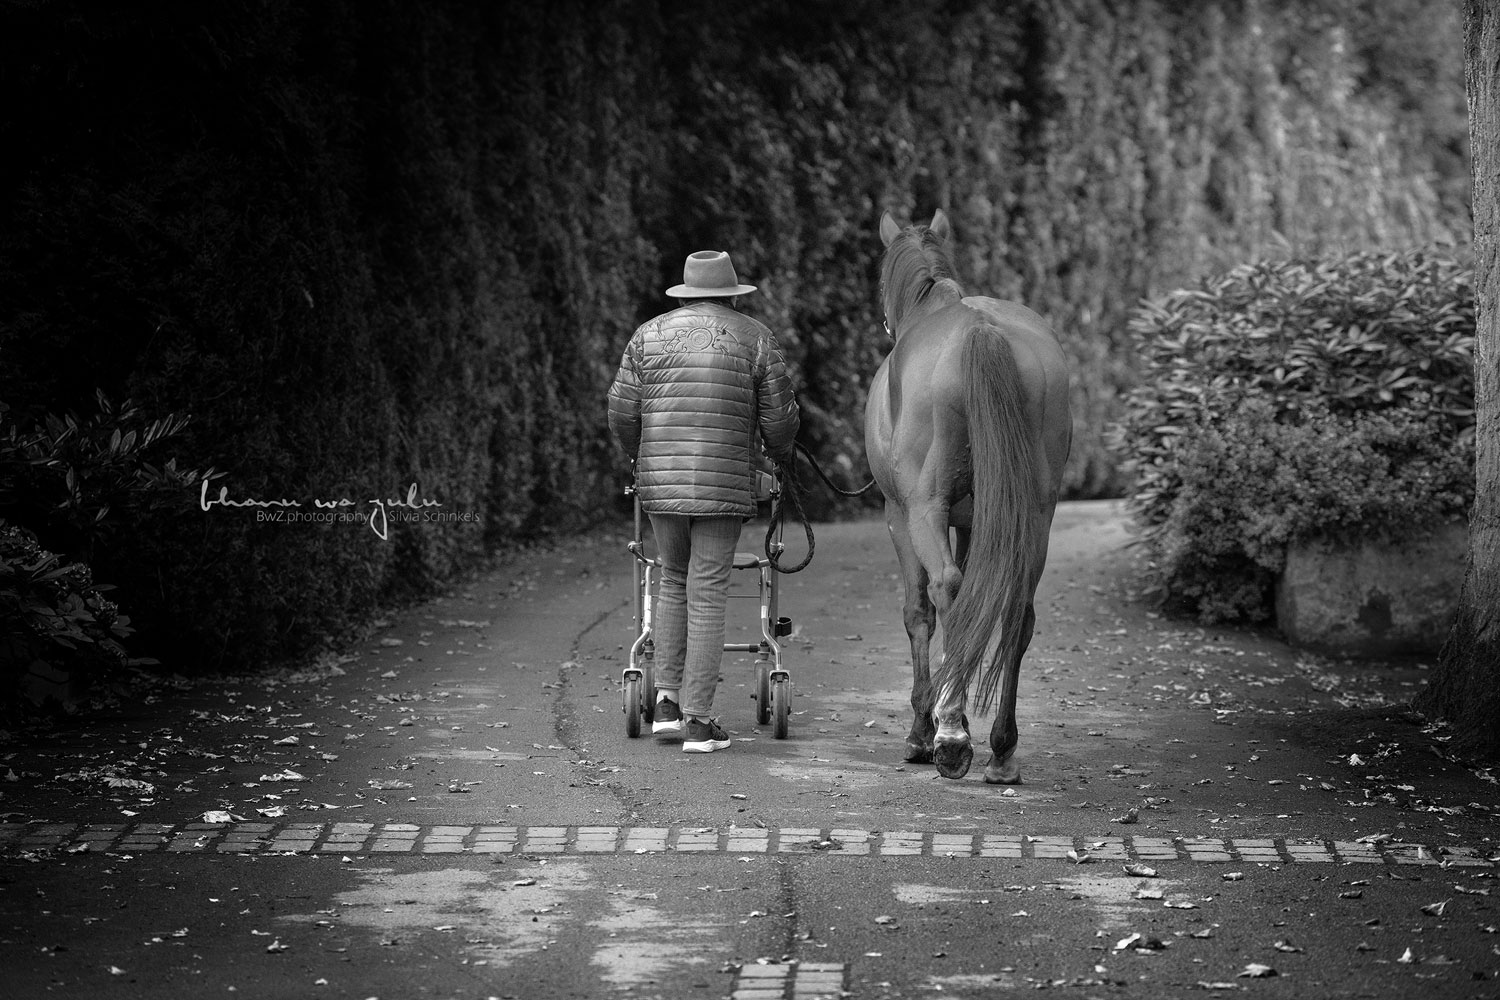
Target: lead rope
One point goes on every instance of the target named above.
(790, 496)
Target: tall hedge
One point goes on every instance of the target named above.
(370, 245)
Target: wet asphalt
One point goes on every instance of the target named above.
(452, 808)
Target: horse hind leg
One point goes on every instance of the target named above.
(919, 617)
(1003, 768)
(952, 749)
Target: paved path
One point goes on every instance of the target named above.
(452, 808)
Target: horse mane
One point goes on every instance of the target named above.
(914, 263)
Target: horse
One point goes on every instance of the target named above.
(967, 427)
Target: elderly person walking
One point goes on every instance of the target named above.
(700, 389)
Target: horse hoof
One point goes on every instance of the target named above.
(953, 759)
(1005, 773)
(918, 753)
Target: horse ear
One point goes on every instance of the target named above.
(940, 227)
(888, 229)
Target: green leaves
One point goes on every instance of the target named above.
(1290, 399)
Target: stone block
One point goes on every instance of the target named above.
(1373, 599)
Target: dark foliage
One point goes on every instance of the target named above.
(376, 245)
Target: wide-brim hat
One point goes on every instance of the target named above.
(708, 273)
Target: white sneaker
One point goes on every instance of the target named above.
(704, 737)
(668, 717)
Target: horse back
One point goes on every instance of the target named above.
(920, 392)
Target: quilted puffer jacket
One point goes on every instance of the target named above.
(697, 391)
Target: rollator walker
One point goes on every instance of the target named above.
(773, 684)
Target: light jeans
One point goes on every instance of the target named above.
(697, 560)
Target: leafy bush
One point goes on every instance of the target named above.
(1288, 400)
(79, 480)
(74, 482)
(55, 623)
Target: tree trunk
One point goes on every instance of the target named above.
(1465, 687)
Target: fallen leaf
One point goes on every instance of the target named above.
(1407, 958)
(1435, 909)
(1288, 947)
(1233, 876)
(1141, 871)
(1180, 905)
(1257, 971)
(1149, 894)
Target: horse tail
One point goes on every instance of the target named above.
(983, 625)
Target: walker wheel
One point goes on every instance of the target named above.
(781, 705)
(632, 706)
(648, 687)
(762, 692)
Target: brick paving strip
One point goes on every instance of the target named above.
(770, 981)
(375, 839)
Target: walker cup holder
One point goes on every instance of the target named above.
(783, 626)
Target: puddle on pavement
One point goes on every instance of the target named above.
(1111, 898)
(500, 921)
(458, 753)
(952, 986)
(919, 894)
(846, 774)
(645, 944)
